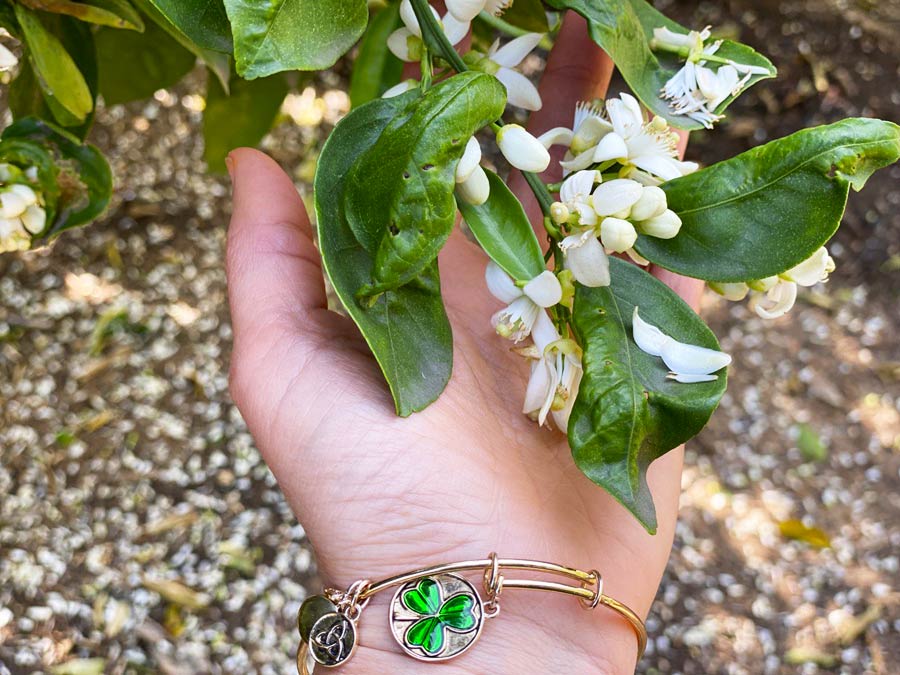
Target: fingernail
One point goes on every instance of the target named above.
(229, 164)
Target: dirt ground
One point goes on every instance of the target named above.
(141, 532)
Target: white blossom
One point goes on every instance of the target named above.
(406, 43)
(686, 362)
(8, 60)
(521, 149)
(811, 271)
(775, 302)
(664, 226)
(524, 304)
(555, 375)
(616, 197)
(476, 189)
(617, 235)
(575, 195)
(501, 63)
(586, 259)
(465, 10)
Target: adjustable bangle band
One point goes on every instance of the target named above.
(435, 613)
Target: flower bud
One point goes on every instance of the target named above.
(559, 213)
(8, 60)
(26, 193)
(617, 234)
(586, 259)
(811, 271)
(664, 226)
(734, 291)
(34, 219)
(13, 236)
(469, 161)
(651, 204)
(476, 188)
(522, 150)
(12, 204)
(615, 196)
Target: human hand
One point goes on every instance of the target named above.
(469, 475)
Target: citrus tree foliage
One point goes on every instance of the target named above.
(617, 360)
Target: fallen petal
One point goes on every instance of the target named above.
(688, 359)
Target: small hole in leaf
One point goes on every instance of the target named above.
(406, 175)
(454, 141)
(833, 171)
(608, 362)
(646, 395)
(427, 167)
(394, 229)
(421, 231)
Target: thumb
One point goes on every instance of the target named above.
(275, 286)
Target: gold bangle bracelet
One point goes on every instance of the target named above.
(435, 613)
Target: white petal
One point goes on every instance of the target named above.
(401, 88)
(814, 269)
(734, 291)
(664, 226)
(587, 261)
(8, 60)
(465, 10)
(519, 89)
(692, 360)
(12, 205)
(582, 161)
(514, 52)
(541, 390)
(556, 136)
(521, 149)
(578, 186)
(586, 214)
(691, 379)
(500, 284)
(589, 132)
(666, 168)
(749, 70)
(663, 38)
(652, 203)
(476, 188)
(25, 192)
(398, 43)
(648, 337)
(544, 333)
(544, 290)
(496, 7)
(616, 195)
(617, 235)
(570, 381)
(637, 258)
(34, 219)
(454, 29)
(777, 301)
(470, 160)
(408, 16)
(611, 146)
(625, 115)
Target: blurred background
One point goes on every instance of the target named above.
(140, 532)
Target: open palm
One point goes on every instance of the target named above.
(469, 475)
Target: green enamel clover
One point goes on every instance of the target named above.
(455, 613)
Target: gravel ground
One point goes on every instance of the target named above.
(141, 532)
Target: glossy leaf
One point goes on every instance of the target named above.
(203, 22)
(115, 13)
(770, 208)
(628, 413)
(57, 73)
(275, 35)
(624, 28)
(83, 178)
(240, 118)
(219, 62)
(376, 69)
(406, 328)
(399, 200)
(159, 58)
(529, 15)
(504, 231)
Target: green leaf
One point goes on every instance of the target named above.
(628, 413)
(376, 69)
(399, 200)
(159, 58)
(57, 73)
(811, 446)
(275, 35)
(529, 15)
(218, 62)
(241, 118)
(504, 231)
(624, 28)
(84, 178)
(770, 208)
(407, 328)
(114, 13)
(203, 22)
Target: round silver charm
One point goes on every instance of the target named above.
(332, 639)
(436, 618)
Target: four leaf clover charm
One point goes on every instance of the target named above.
(436, 618)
